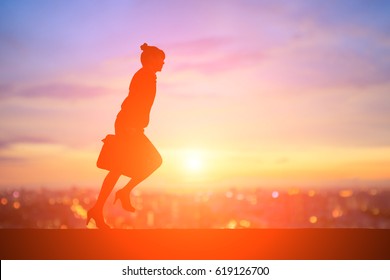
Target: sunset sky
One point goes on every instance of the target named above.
(253, 93)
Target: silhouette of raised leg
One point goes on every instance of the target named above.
(124, 196)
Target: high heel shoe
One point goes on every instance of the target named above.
(98, 217)
(124, 197)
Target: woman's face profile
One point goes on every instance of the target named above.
(157, 63)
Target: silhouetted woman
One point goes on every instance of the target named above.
(133, 117)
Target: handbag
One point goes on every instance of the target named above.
(131, 156)
(109, 157)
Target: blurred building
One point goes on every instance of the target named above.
(232, 208)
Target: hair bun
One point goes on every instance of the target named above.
(144, 46)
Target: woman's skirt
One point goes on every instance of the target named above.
(130, 154)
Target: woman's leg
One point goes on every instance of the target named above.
(131, 185)
(96, 212)
(124, 194)
(107, 187)
(149, 165)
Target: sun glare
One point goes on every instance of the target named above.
(193, 162)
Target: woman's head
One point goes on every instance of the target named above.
(152, 57)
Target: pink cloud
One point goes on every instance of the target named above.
(5, 143)
(213, 55)
(222, 63)
(201, 45)
(57, 91)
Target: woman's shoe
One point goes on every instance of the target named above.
(98, 217)
(124, 197)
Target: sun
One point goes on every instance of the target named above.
(193, 162)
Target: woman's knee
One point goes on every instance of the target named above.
(149, 168)
(159, 160)
(155, 163)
